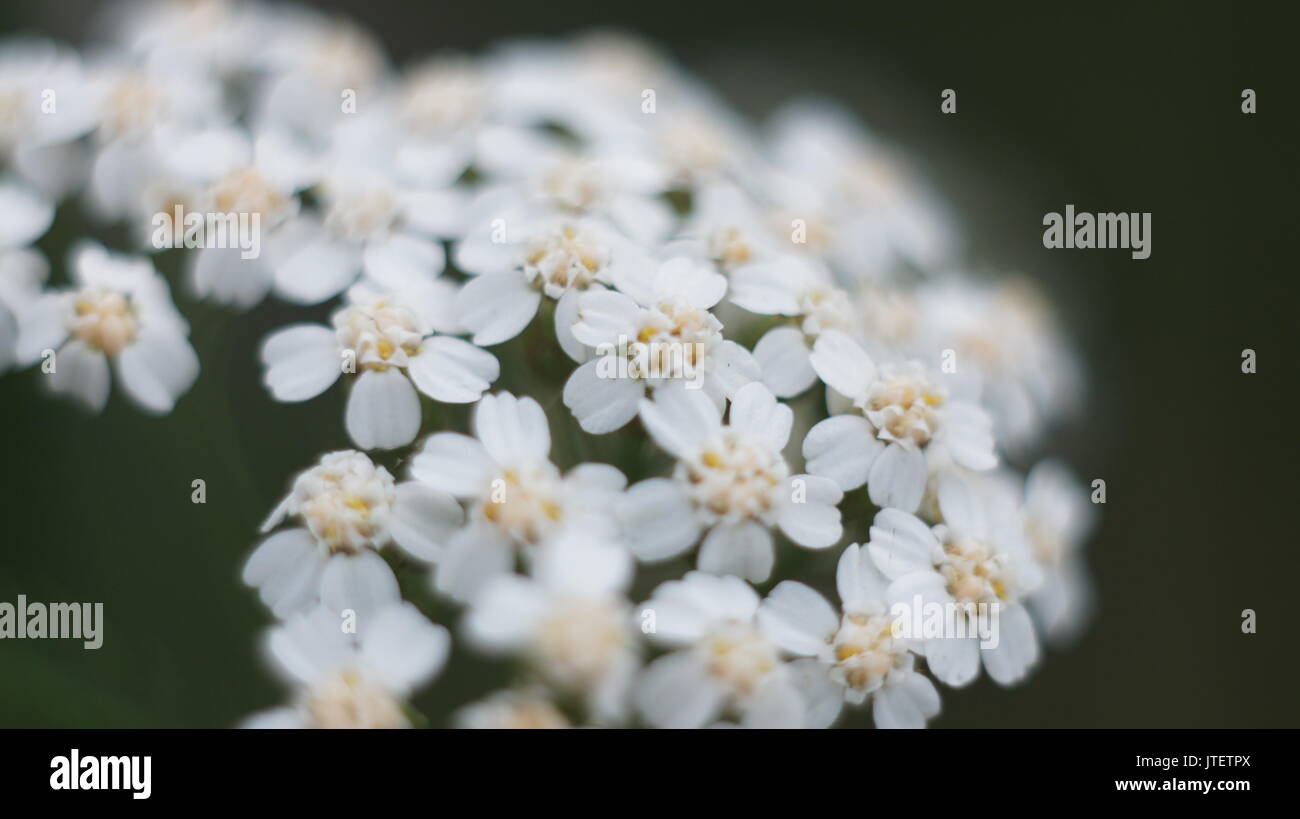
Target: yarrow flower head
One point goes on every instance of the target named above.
(904, 426)
(731, 481)
(119, 311)
(658, 316)
(517, 499)
(723, 663)
(349, 509)
(385, 340)
(570, 620)
(353, 678)
(859, 651)
(971, 559)
(662, 287)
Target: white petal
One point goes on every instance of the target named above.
(777, 705)
(967, 432)
(954, 660)
(310, 645)
(657, 519)
(860, 584)
(402, 259)
(301, 361)
(696, 282)
(454, 463)
(82, 372)
(403, 647)
(675, 691)
(686, 609)
(798, 619)
(605, 317)
(566, 315)
(42, 325)
(897, 478)
(601, 404)
(783, 355)
(679, 419)
(843, 449)
(843, 364)
(823, 698)
(814, 521)
(1017, 648)
(962, 508)
(496, 307)
(383, 410)
(505, 614)
(285, 569)
(453, 370)
(473, 557)
(901, 543)
(26, 215)
(756, 413)
(317, 269)
(157, 368)
(363, 583)
(906, 704)
(225, 276)
(732, 367)
(743, 549)
(579, 565)
(423, 519)
(512, 430)
(765, 288)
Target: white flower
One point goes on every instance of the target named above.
(440, 107)
(726, 228)
(350, 508)
(731, 480)
(147, 114)
(541, 256)
(46, 105)
(659, 315)
(570, 620)
(22, 276)
(971, 558)
(1058, 518)
(1010, 352)
(360, 680)
(874, 213)
(370, 224)
(723, 662)
(511, 710)
(387, 339)
(620, 187)
(859, 652)
(790, 286)
(304, 59)
(906, 420)
(25, 214)
(211, 36)
(120, 310)
(233, 176)
(517, 499)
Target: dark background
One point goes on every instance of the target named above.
(1132, 106)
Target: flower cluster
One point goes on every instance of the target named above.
(577, 240)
